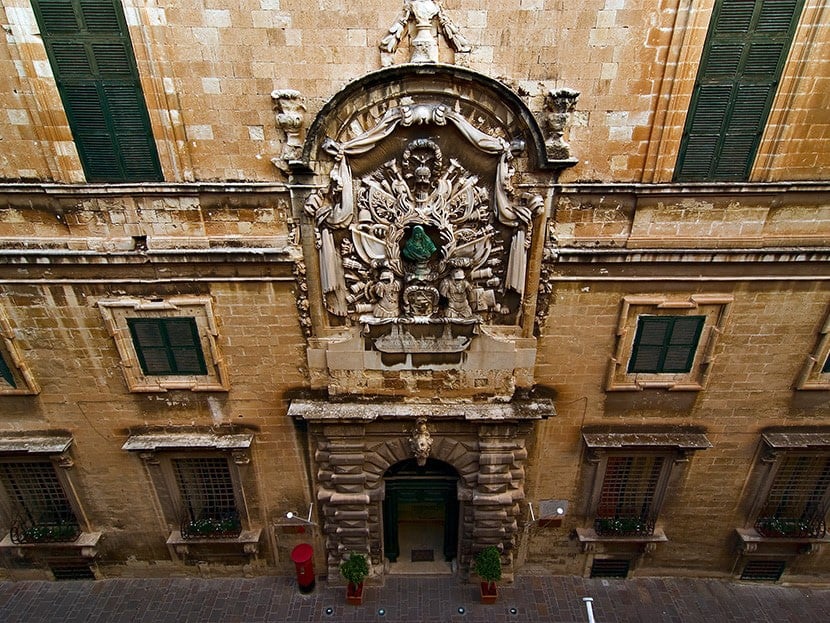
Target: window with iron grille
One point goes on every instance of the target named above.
(610, 567)
(665, 344)
(92, 59)
(763, 570)
(796, 505)
(740, 68)
(40, 509)
(167, 346)
(208, 501)
(627, 498)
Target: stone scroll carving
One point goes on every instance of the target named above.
(420, 239)
(421, 236)
(423, 18)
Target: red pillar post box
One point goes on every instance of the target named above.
(303, 557)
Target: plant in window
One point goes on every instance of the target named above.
(226, 525)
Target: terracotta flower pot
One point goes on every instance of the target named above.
(489, 592)
(354, 594)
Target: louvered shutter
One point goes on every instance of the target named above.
(665, 344)
(93, 63)
(167, 346)
(743, 57)
(6, 372)
(682, 343)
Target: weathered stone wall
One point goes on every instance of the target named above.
(208, 72)
(772, 327)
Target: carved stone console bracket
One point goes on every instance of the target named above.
(559, 105)
(290, 116)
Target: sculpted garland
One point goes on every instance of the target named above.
(420, 239)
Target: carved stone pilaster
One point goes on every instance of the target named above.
(343, 498)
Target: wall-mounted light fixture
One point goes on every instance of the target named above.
(291, 515)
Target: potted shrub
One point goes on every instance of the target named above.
(354, 570)
(488, 568)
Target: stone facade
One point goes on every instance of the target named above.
(560, 126)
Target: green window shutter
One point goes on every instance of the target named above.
(167, 346)
(94, 66)
(665, 344)
(6, 372)
(743, 57)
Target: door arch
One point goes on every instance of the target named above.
(416, 494)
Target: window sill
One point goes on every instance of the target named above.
(750, 541)
(589, 539)
(248, 540)
(86, 545)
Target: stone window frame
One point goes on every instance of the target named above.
(776, 446)
(200, 308)
(158, 450)
(714, 307)
(813, 375)
(24, 380)
(54, 448)
(676, 448)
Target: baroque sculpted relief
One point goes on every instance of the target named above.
(428, 232)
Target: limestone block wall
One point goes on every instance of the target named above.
(772, 327)
(208, 72)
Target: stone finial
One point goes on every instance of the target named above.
(559, 104)
(422, 18)
(290, 117)
(421, 442)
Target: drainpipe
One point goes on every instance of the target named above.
(589, 606)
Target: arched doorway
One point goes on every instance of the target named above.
(420, 512)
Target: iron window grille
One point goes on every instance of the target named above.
(42, 513)
(763, 570)
(627, 498)
(797, 501)
(209, 507)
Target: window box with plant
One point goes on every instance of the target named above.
(46, 531)
(354, 570)
(488, 568)
(224, 526)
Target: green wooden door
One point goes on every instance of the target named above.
(429, 493)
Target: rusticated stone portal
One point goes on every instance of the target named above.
(353, 450)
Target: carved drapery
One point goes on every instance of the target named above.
(418, 228)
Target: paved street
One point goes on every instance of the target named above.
(418, 599)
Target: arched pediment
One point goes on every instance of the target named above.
(489, 105)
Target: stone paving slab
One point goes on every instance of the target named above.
(404, 599)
